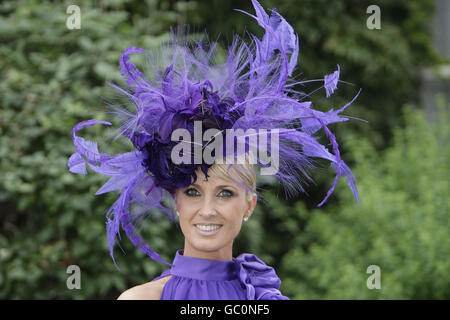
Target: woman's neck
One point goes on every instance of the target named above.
(225, 253)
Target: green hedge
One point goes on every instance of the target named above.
(54, 78)
(401, 225)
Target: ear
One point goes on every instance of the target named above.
(251, 205)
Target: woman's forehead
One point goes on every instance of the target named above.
(213, 181)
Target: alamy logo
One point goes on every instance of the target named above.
(238, 142)
(74, 280)
(374, 20)
(374, 281)
(74, 20)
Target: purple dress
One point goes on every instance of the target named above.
(243, 278)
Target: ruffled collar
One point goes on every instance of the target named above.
(260, 280)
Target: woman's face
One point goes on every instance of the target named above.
(211, 215)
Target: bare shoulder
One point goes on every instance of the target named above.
(148, 291)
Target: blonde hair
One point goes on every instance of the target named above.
(243, 174)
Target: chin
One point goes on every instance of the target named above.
(206, 245)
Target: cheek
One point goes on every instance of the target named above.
(235, 212)
(186, 210)
(181, 206)
(232, 211)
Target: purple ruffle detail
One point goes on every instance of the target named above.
(260, 280)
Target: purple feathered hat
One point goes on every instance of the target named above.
(250, 89)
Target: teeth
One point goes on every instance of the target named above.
(207, 227)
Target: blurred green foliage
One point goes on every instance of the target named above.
(53, 78)
(401, 224)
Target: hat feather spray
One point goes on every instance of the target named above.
(251, 89)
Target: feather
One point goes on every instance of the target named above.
(251, 89)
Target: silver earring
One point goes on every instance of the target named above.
(178, 213)
(245, 219)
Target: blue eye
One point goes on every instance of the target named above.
(191, 192)
(226, 194)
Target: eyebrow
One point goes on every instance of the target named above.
(217, 187)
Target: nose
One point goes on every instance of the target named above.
(207, 214)
(207, 209)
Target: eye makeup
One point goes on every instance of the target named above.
(229, 192)
(192, 192)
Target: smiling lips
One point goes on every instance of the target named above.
(208, 227)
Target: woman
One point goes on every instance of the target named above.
(211, 213)
(189, 87)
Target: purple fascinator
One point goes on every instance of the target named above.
(250, 91)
